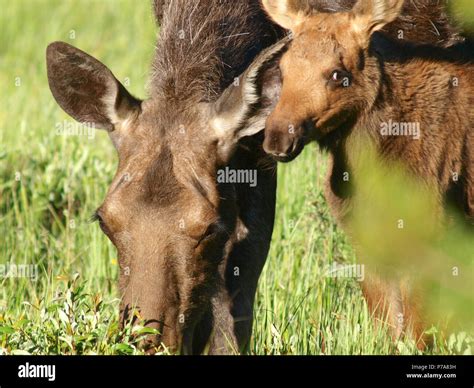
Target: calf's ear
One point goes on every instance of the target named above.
(287, 13)
(372, 15)
(86, 89)
(243, 107)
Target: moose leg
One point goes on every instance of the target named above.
(243, 297)
(232, 308)
(214, 333)
(394, 303)
(249, 255)
(223, 339)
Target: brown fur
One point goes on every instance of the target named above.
(386, 80)
(424, 21)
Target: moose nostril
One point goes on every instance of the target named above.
(272, 142)
(278, 144)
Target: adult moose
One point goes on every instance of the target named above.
(191, 250)
(354, 82)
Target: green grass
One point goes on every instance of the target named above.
(50, 185)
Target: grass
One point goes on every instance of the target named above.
(51, 184)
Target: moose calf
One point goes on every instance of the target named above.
(343, 81)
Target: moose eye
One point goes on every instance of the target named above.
(96, 217)
(212, 231)
(340, 78)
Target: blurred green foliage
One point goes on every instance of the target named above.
(403, 233)
(464, 10)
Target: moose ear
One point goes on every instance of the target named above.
(243, 107)
(286, 13)
(86, 89)
(372, 15)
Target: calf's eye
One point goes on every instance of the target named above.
(340, 78)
